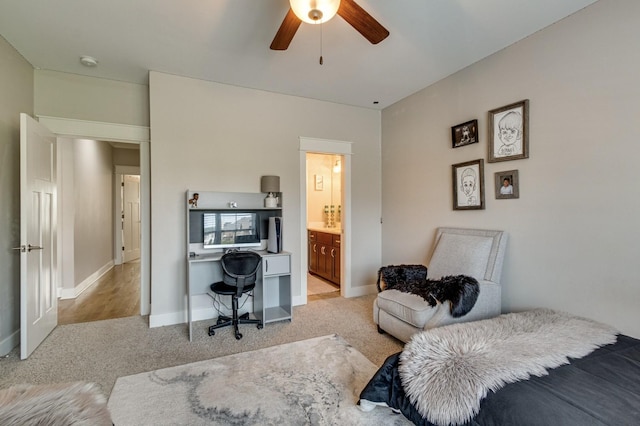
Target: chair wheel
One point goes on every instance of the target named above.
(219, 321)
(238, 336)
(260, 326)
(212, 332)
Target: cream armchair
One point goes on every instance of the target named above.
(458, 251)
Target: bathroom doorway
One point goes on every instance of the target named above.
(344, 150)
(324, 225)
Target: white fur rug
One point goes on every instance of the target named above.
(447, 371)
(310, 382)
(77, 404)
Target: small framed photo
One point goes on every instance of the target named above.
(468, 185)
(319, 182)
(509, 132)
(507, 185)
(464, 134)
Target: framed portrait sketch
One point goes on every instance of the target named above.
(509, 132)
(464, 134)
(507, 184)
(468, 185)
(319, 182)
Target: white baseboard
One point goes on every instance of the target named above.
(7, 345)
(72, 293)
(362, 290)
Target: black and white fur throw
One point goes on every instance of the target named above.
(460, 291)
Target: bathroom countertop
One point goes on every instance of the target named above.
(335, 231)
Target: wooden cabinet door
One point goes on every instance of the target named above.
(335, 265)
(313, 257)
(313, 252)
(335, 258)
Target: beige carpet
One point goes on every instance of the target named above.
(102, 351)
(311, 382)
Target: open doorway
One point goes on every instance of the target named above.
(324, 225)
(344, 150)
(100, 202)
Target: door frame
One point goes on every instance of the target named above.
(110, 132)
(332, 147)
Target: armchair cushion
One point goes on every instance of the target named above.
(410, 307)
(460, 254)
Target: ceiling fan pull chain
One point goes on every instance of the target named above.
(321, 60)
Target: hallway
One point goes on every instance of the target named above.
(115, 295)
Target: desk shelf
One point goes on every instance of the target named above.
(273, 301)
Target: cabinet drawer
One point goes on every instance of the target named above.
(336, 240)
(275, 265)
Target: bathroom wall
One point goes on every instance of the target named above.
(324, 188)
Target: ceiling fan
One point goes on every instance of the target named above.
(319, 11)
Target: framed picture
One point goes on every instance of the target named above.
(464, 134)
(468, 185)
(507, 185)
(319, 182)
(509, 132)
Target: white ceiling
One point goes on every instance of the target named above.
(227, 41)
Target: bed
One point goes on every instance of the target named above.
(596, 381)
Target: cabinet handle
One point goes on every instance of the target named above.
(266, 265)
(322, 249)
(333, 252)
(314, 249)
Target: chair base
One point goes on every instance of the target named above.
(224, 321)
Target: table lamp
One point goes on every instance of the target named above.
(271, 185)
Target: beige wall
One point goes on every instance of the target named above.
(574, 233)
(59, 94)
(93, 207)
(214, 137)
(126, 157)
(16, 96)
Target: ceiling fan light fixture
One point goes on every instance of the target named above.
(315, 11)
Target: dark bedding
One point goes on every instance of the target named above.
(603, 388)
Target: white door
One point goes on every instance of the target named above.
(38, 301)
(131, 218)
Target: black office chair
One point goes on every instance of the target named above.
(239, 276)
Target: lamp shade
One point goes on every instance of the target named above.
(270, 184)
(315, 11)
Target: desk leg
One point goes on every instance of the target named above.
(189, 300)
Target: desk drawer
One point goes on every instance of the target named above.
(276, 265)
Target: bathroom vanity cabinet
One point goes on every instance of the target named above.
(324, 255)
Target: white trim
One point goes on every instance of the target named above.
(111, 132)
(128, 134)
(145, 228)
(326, 146)
(72, 293)
(10, 342)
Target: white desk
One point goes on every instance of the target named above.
(272, 299)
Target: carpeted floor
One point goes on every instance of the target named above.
(102, 351)
(315, 381)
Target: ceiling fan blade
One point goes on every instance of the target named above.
(286, 31)
(364, 23)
